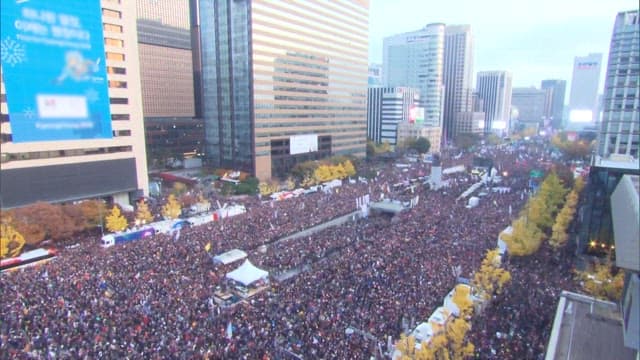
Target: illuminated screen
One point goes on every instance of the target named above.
(581, 116)
(499, 125)
(53, 65)
(299, 144)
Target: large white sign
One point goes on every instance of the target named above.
(299, 144)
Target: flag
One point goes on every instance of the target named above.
(207, 247)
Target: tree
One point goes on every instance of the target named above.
(490, 278)
(337, 172)
(601, 282)
(421, 145)
(553, 192)
(407, 348)
(290, 183)
(143, 214)
(537, 212)
(116, 221)
(11, 241)
(462, 299)
(525, 238)
(349, 169)
(94, 212)
(172, 209)
(323, 173)
(248, 186)
(267, 188)
(42, 220)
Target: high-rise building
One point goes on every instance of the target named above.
(375, 75)
(583, 99)
(494, 88)
(558, 89)
(71, 124)
(457, 76)
(283, 82)
(415, 59)
(166, 70)
(620, 128)
(530, 104)
(387, 107)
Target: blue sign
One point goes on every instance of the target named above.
(53, 65)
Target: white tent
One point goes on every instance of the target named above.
(230, 256)
(247, 274)
(440, 316)
(423, 332)
(502, 246)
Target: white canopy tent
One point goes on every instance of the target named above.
(247, 274)
(230, 256)
(423, 332)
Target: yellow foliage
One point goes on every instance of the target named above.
(11, 241)
(525, 239)
(143, 215)
(267, 188)
(349, 169)
(462, 298)
(308, 181)
(323, 173)
(116, 221)
(291, 185)
(490, 278)
(337, 172)
(172, 209)
(578, 184)
(538, 212)
(601, 283)
(179, 188)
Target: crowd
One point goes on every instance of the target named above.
(367, 281)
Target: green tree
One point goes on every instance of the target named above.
(172, 209)
(421, 145)
(116, 221)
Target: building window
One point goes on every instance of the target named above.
(111, 13)
(115, 56)
(119, 101)
(119, 117)
(116, 70)
(117, 84)
(119, 133)
(112, 28)
(113, 42)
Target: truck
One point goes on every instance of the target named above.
(127, 236)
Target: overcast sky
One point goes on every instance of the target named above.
(534, 40)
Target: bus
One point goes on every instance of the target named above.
(28, 258)
(119, 238)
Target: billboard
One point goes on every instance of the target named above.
(299, 144)
(580, 116)
(53, 65)
(416, 114)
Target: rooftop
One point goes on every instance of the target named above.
(586, 328)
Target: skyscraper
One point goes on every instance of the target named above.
(166, 69)
(283, 82)
(71, 124)
(583, 99)
(415, 59)
(375, 75)
(620, 128)
(494, 90)
(558, 90)
(530, 104)
(457, 76)
(387, 107)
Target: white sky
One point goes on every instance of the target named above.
(534, 40)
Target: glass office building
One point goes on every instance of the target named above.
(283, 82)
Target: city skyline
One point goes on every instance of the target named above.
(508, 42)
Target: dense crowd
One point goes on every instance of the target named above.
(363, 282)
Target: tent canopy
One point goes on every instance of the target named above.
(247, 274)
(230, 256)
(423, 332)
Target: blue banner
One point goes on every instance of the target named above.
(53, 65)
